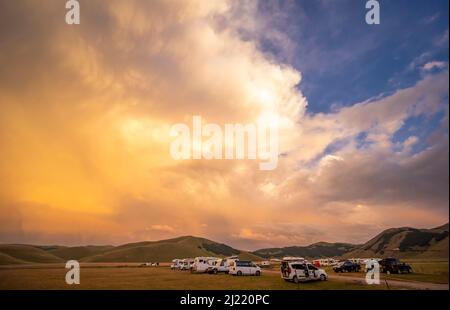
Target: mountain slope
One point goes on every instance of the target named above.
(27, 254)
(320, 249)
(161, 251)
(406, 242)
(166, 250)
(397, 242)
(6, 259)
(79, 252)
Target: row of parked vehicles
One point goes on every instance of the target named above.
(387, 265)
(294, 269)
(213, 265)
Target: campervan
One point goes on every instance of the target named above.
(175, 264)
(223, 264)
(203, 264)
(240, 268)
(186, 264)
(293, 259)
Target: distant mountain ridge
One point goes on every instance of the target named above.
(398, 242)
(406, 242)
(320, 249)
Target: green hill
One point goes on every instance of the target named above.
(79, 252)
(5, 259)
(399, 242)
(166, 250)
(147, 251)
(28, 254)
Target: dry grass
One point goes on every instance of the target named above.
(152, 278)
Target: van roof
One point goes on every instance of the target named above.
(290, 258)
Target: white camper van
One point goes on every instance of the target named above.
(186, 264)
(293, 259)
(241, 267)
(175, 264)
(223, 264)
(203, 264)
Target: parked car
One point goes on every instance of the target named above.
(299, 271)
(393, 265)
(347, 266)
(241, 267)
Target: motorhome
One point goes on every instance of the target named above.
(219, 266)
(186, 264)
(301, 271)
(203, 264)
(175, 264)
(223, 264)
(240, 268)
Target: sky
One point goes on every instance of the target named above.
(86, 110)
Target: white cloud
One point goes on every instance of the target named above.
(435, 65)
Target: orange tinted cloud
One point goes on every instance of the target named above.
(85, 113)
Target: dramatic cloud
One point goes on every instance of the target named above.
(85, 113)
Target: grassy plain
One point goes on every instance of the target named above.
(153, 278)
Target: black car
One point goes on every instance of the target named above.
(393, 265)
(347, 266)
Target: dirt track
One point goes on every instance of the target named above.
(414, 285)
(411, 285)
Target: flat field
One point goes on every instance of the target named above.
(131, 276)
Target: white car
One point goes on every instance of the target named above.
(241, 267)
(300, 272)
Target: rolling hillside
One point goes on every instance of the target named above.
(79, 252)
(406, 242)
(148, 251)
(20, 253)
(398, 242)
(166, 250)
(320, 249)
